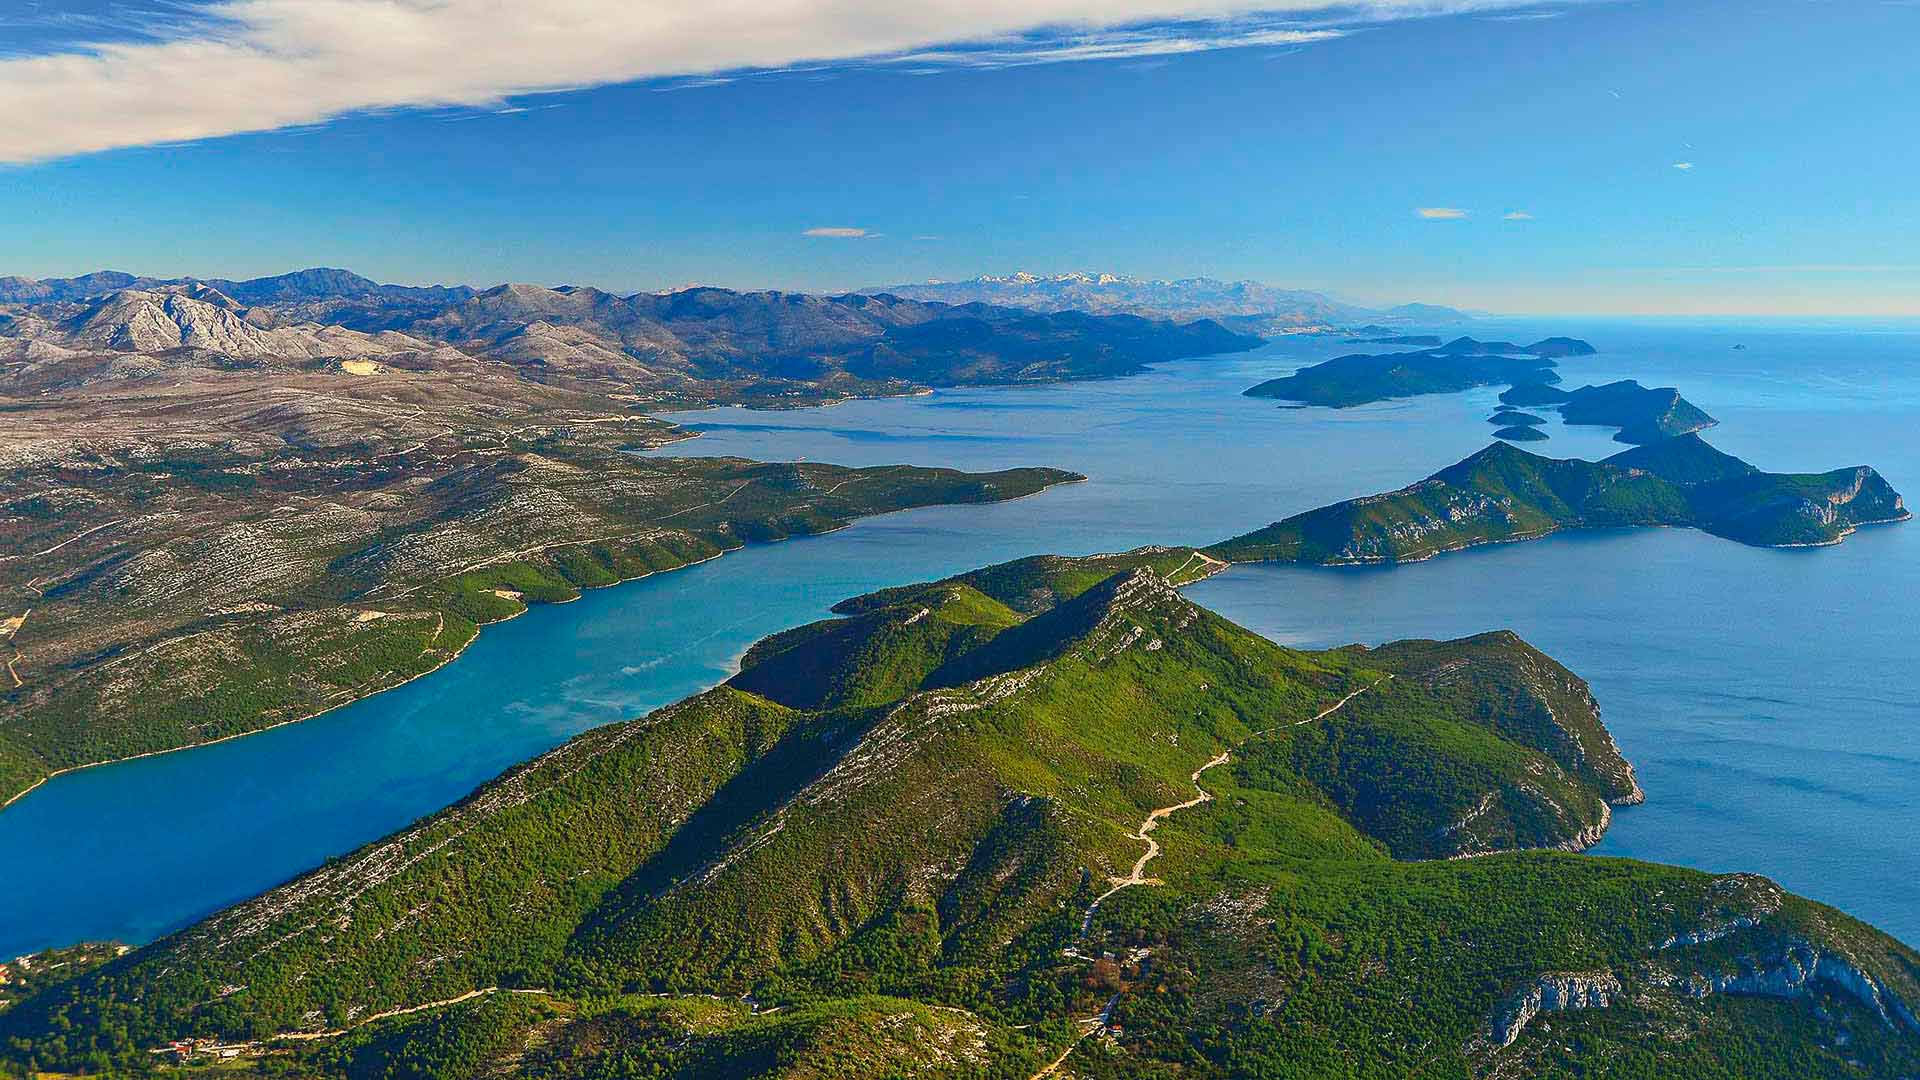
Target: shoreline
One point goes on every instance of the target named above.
(450, 658)
(1387, 561)
(478, 628)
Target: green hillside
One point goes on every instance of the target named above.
(1504, 493)
(1046, 813)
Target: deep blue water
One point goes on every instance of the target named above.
(1765, 696)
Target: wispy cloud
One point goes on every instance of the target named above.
(1122, 44)
(257, 65)
(1517, 215)
(1797, 268)
(837, 232)
(1440, 213)
(1683, 166)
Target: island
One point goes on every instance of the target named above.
(1044, 818)
(1561, 347)
(1461, 364)
(1529, 395)
(1503, 494)
(1508, 417)
(1521, 433)
(1643, 414)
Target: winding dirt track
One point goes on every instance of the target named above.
(1145, 832)
(1094, 1024)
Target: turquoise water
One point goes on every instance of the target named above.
(1762, 694)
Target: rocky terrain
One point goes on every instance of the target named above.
(1048, 818)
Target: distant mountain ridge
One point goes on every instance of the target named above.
(313, 283)
(1248, 304)
(1243, 304)
(697, 344)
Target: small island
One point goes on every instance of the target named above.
(1532, 395)
(1643, 414)
(1504, 494)
(1521, 433)
(1561, 347)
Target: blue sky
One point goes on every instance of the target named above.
(1303, 160)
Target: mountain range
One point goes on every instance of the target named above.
(311, 284)
(695, 344)
(1249, 305)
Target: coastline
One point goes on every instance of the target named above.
(450, 658)
(1334, 564)
(478, 628)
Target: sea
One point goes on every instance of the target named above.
(1766, 697)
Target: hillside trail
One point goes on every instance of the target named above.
(1138, 876)
(1094, 1024)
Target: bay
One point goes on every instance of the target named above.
(1761, 693)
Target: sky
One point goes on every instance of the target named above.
(1586, 157)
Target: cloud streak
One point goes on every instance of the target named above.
(1440, 213)
(836, 232)
(236, 66)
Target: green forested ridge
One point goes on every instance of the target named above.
(872, 853)
(1504, 493)
(24, 976)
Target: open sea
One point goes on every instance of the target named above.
(1767, 697)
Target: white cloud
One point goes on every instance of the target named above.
(257, 65)
(1440, 213)
(1117, 45)
(1683, 166)
(1518, 215)
(837, 232)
